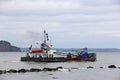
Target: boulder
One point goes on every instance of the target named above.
(1, 71)
(60, 67)
(22, 70)
(90, 67)
(12, 71)
(35, 70)
(50, 69)
(111, 66)
(101, 67)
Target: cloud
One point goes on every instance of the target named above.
(39, 5)
(69, 22)
(109, 33)
(53, 7)
(99, 3)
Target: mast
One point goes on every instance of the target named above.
(44, 36)
(45, 46)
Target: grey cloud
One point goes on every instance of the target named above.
(54, 12)
(6, 0)
(99, 2)
(54, 8)
(81, 19)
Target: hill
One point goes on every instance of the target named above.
(6, 46)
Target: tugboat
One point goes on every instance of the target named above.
(46, 54)
(43, 54)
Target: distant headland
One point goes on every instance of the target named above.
(6, 46)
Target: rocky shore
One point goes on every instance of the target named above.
(48, 69)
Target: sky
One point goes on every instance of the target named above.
(69, 23)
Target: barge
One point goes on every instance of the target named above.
(46, 54)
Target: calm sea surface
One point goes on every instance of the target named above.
(11, 60)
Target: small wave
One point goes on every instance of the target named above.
(11, 61)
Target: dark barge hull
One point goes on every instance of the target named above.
(56, 59)
(81, 59)
(46, 59)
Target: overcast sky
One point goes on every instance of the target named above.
(70, 23)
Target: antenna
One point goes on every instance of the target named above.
(44, 36)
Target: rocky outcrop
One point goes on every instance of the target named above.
(5, 46)
(112, 66)
(49, 69)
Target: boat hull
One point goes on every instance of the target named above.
(81, 59)
(46, 59)
(56, 59)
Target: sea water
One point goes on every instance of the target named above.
(71, 70)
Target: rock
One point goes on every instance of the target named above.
(35, 70)
(1, 71)
(111, 66)
(50, 69)
(4, 71)
(60, 67)
(12, 71)
(69, 70)
(101, 67)
(22, 70)
(119, 67)
(90, 67)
